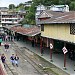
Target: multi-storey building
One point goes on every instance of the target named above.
(10, 18)
(1, 9)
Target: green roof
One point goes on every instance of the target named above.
(27, 25)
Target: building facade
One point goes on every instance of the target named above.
(58, 27)
(8, 18)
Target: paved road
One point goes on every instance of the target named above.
(25, 67)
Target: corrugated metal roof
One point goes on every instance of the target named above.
(30, 31)
(58, 17)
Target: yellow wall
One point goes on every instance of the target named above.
(58, 31)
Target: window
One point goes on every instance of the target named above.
(42, 27)
(72, 29)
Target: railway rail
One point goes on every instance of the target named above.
(25, 57)
(10, 71)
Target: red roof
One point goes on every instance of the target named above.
(31, 31)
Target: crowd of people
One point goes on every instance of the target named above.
(14, 59)
(6, 38)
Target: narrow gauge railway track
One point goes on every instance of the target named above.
(25, 57)
(10, 70)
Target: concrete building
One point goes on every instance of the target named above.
(28, 4)
(8, 18)
(62, 8)
(1, 9)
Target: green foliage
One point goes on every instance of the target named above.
(44, 2)
(11, 6)
(20, 6)
(72, 5)
(30, 16)
(26, 8)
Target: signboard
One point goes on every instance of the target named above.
(51, 46)
(64, 50)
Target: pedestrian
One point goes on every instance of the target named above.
(12, 58)
(32, 43)
(3, 59)
(16, 60)
(71, 54)
(42, 51)
(6, 45)
(6, 38)
(9, 37)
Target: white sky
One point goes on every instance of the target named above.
(5, 3)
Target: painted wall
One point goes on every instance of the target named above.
(58, 31)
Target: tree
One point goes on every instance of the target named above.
(30, 17)
(67, 2)
(72, 5)
(43, 2)
(20, 6)
(11, 6)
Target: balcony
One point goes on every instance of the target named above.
(9, 22)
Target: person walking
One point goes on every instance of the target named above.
(3, 59)
(32, 43)
(6, 38)
(6, 45)
(16, 60)
(12, 58)
(42, 51)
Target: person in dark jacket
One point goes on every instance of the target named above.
(6, 45)
(12, 59)
(42, 51)
(16, 60)
(32, 43)
(3, 58)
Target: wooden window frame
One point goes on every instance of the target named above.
(72, 29)
(42, 27)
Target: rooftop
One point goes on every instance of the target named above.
(57, 17)
(26, 30)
